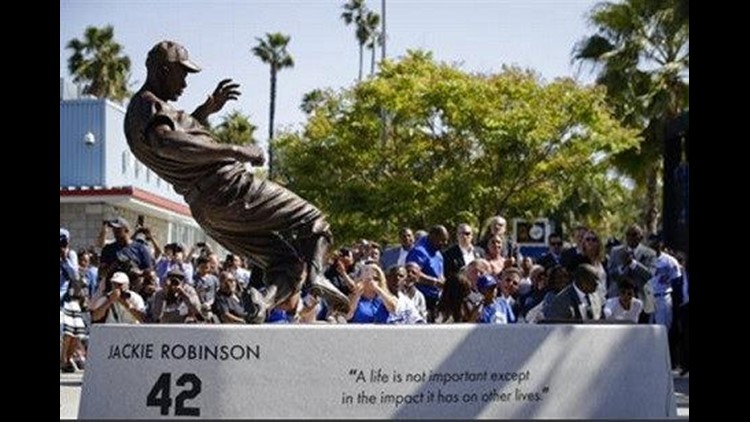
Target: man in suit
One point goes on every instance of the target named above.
(462, 252)
(456, 257)
(554, 254)
(640, 252)
(577, 302)
(636, 260)
(397, 255)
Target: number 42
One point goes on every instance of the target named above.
(159, 396)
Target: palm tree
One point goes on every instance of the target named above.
(355, 12)
(236, 129)
(272, 50)
(372, 20)
(641, 52)
(97, 61)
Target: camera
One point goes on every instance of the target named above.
(174, 281)
(125, 295)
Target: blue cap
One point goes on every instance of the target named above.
(486, 281)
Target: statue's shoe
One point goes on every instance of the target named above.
(258, 308)
(321, 286)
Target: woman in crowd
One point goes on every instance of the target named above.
(370, 301)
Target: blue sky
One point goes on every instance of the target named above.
(479, 35)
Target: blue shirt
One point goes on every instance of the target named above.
(68, 271)
(136, 251)
(278, 316)
(90, 275)
(499, 312)
(430, 260)
(370, 311)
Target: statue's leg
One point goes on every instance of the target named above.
(283, 279)
(313, 247)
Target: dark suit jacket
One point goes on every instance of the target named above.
(548, 260)
(453, 259)
(569, 258)
(565, 306)
(641, 253)
(389, 257)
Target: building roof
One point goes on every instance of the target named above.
(125, 194)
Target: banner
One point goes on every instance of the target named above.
(377, 371)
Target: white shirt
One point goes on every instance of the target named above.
(468, 254)
(613, 310)
(667, 260)
(402, 256)
(419, 301)
(135, 300)
(584, 301)
(406, 312)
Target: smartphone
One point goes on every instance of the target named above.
(141, 221)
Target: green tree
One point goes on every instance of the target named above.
(459, 146)
(98, 62)
(355, 12)
(641, 52)
(272, 51)
(313, 99)
(237, 129)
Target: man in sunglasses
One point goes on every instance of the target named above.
(554, 255)
(177, 302)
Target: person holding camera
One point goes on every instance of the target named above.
(123, 254)
(229, 306)
(174, 255)
(118, 304)
(177, 302)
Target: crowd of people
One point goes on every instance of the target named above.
(426, 278)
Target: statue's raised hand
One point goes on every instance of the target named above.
(226, 90)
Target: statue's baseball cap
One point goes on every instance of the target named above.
(171, 52)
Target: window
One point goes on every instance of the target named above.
(125, 161)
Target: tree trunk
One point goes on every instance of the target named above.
(271, 112)
(651, 210)
(653, 205)
(361, 54)
(372, 62)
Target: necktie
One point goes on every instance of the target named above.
(589, 311)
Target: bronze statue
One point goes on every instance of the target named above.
(280, 232)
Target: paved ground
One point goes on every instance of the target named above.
(682, 393)
(70, 395)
